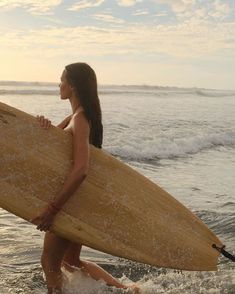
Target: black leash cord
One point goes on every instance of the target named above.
(224, 252)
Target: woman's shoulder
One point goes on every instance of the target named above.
(79, 120)
(79, 116)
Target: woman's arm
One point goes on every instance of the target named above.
(81, 134)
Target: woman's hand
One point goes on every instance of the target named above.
(45, 219)
(44, 122)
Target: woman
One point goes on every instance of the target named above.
(79, 85)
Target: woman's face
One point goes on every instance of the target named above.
(65, 87)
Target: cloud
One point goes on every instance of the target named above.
(128, 2)
(108, 18)
(178, 5)
(163, 13)
(220, 10)
(85, 4)
(191, 39)
(33, 6)
(208, 9)
(140, 12)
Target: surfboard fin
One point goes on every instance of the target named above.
(224, 252)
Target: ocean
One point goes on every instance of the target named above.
(183, 139)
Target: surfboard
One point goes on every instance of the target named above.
(116, 210)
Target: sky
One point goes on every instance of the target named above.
(184, 43)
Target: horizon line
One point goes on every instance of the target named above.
(122, 85)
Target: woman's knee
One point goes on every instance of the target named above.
(53, 252)
(72, 254)
(51, 262)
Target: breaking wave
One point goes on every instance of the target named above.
(170, 148)
(42, 88)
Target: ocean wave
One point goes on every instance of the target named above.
(171, 148)
(54, 91)
(151, 280)
(29, 92)
(222, 224)
(168, 92)
(215, 93)
(43, 88)
(27, 84)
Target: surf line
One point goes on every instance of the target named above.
(224, 252)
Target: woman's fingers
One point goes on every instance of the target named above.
(43, 223)
(44, 122)
(44, 226)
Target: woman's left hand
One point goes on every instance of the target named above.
(45, 123)
(44, 220)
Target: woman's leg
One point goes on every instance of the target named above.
(72, 259)
(52, 255)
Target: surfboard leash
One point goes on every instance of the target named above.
(224, 252)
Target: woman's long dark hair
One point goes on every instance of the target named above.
(83, 79)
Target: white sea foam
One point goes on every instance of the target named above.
(42, 88)
(174, 282)
(170, 147)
